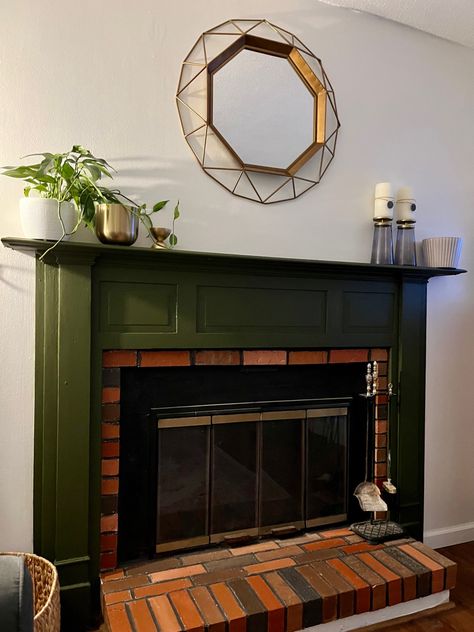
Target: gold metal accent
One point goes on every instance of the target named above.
(277, 415)
(268, 529)
(182, 544)
(226, 535)
(282, 531)
(317, 522)
(116, 224)
(325, 412)
(194, 98)
(382, 221)
(184, 422)
(235, 418)
(159, 235)
(317, 88)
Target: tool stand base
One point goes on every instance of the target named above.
(376, 531)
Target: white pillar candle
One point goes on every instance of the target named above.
(383, 207)
(406, 205)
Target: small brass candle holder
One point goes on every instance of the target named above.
(159, 235)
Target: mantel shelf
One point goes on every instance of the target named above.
(92, 251)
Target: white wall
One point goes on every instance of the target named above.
(104, 74)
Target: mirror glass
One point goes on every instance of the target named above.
(263, 109)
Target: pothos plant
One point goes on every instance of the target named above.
(72, 176)
(76, 176)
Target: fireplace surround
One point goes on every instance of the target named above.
(142, 390)
(95, 300)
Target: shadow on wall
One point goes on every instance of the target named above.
(9, 272)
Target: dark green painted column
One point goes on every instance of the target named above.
(63, 355)
(411, 398)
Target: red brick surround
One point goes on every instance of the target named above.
(113, 361)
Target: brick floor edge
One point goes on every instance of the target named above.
(272, 586)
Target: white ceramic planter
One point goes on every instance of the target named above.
(39, 218)
(442, 252)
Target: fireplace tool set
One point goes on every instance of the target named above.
(368, 493)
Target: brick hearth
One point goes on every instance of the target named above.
(114, 360)
(273, 585)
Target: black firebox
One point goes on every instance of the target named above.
(220, 454)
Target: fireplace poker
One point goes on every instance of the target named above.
(388, 486)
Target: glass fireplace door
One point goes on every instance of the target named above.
(183, 483)
(228, 475)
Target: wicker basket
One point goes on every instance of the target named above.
(45, 592)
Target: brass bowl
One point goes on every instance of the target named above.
(159, 234)
(116, 224)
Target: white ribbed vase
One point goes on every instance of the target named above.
(442, 252)
(39, 218)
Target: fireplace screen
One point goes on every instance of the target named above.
(224, 475)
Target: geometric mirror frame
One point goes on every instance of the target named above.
(257, 110)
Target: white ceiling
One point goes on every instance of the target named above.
(450, 19)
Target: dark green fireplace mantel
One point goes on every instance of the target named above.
(90, 298)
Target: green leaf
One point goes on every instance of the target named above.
(173, 240)
(89, 211)
(46, 165)
(101, 163)
(159, 205)
(21, 172)
(103, 170)
(67, 171)
(176, 211)
(45, 178)
(26, 191)
(94, 172)
(46, 154)
(79, 149)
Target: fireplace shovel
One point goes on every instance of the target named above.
(367, 493)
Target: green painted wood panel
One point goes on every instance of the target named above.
(138, 307)
(369, 312)
(260, 309)
(202, 309)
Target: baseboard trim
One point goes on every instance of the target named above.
(447, 536)
(377, 619)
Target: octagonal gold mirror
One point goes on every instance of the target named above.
(258, 110)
